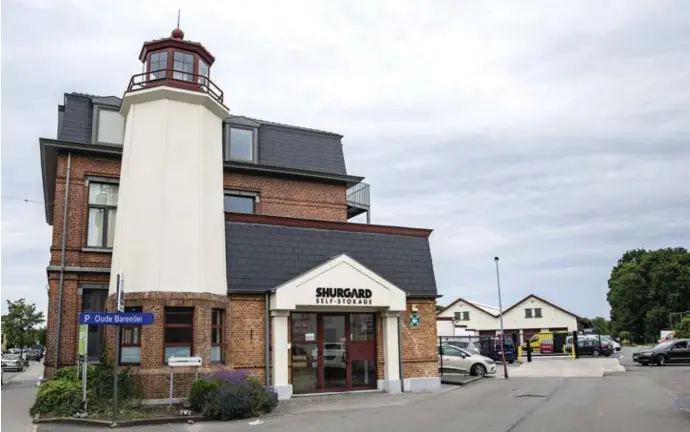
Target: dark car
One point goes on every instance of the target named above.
(32, 354)
(509, 347)
(593, 347)
(672, 351)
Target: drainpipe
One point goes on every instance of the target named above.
(400, 362)
(268, 338)
(62, 263)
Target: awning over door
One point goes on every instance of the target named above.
(340, 282)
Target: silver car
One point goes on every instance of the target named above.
(12, 362)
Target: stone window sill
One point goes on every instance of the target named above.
(97, 249)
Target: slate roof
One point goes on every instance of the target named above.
(260, 257)
(280, 145)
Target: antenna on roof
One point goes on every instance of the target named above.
(178, 17)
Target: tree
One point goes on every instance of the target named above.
(645, 287)
(439, 308)
(601, 325)
(40, 336)
(683, 328)
(19, 324)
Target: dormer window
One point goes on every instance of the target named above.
(240, 144)
(183, 62)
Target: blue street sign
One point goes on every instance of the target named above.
(116, 318)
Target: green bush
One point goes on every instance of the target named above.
(228, 395)
(625, 335)
(70, 373)
(199, 392)
(230, 401)
(683, 328)
(99, 387)
(58, 397)
(264, 400)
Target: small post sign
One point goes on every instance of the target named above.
(120, 293)
(414, 320)
(83, 339)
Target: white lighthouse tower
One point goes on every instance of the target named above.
(170, 233)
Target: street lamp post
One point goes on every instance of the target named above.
(500, 314)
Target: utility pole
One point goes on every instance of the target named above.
(500, 314)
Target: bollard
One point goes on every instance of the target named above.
(575, 347)
(529, 352)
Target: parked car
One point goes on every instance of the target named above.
(452, 357)
(472, 347)
(671, 351)
(12, 362)
(616, 345)
(509, 347)
(544, 338)
(590, 346)
(32, 354)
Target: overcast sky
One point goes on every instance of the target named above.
(552, 134)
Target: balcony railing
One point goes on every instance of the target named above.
(175, 78)
(358, 200)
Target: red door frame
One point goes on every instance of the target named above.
(320, 341)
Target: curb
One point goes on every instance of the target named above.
(119, 424)
(462, 383)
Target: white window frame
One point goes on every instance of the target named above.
(227, 143)
(96, 124)
(99, 180)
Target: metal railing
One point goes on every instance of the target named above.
(358, 196)
(184, 80)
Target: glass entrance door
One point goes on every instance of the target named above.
(334, 357)
(333, 352)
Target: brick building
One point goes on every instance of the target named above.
(234, 233)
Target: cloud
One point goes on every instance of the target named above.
(553, 136)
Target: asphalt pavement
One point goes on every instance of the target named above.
(18, 393)
(642, 398)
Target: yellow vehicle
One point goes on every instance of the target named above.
(544, 338)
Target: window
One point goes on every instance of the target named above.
(537, 312)
(159, 62)
(130, 342)
(102, 214)
(462, 316)
(239, 144)
(362, 327)
(681, 345)
(217, 335)
(111, 126)
(449, 350)
(203, 72)
(528, 313)
(183, 62)
(179, 332)
(239, 203)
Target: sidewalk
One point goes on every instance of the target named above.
(18, 394)
(568, 368)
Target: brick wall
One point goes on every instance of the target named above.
(248, 334)
(420, 355)
(71, 306)
(278, 197)
(154, 375)
(77, 214)
(292, 198)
